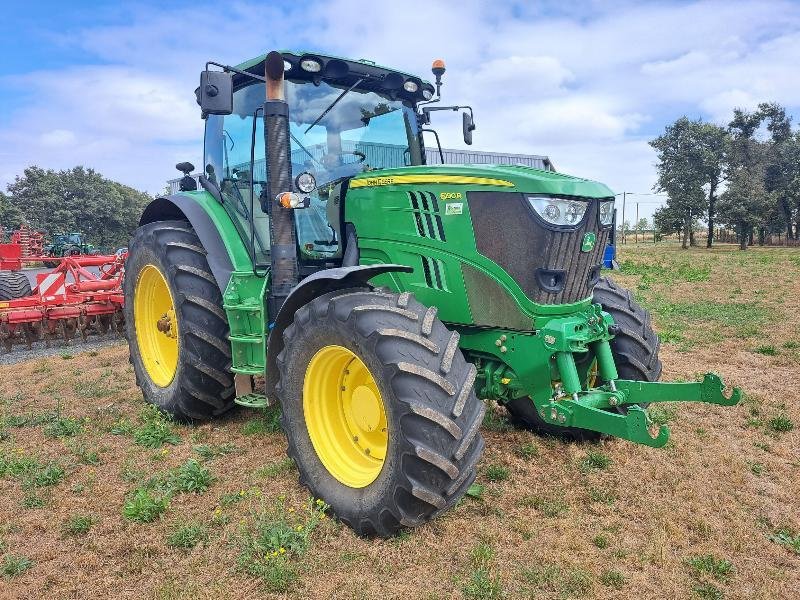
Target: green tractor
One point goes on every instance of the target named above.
(67, 244)
(325, 266)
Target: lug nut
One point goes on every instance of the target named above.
(503, 349)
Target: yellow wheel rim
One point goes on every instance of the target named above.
(345, 416)
(156, 325)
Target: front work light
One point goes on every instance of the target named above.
(607, 212)
(410, 86)
(559, 211)
(305, 182)
(310, 65)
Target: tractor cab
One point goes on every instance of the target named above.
(346, 117)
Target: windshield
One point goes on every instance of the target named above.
(362, 131)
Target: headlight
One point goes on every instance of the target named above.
(305, 182)
(310, 65)
(558, 211)
(607, 212)
(410, 86)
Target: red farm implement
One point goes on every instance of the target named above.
(68, 300)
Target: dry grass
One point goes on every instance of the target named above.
(712, 513)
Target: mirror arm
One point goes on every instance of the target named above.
(228, 68)
(429, 109)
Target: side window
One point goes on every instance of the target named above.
(228, 141)
(317, 226)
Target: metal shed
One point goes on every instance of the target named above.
(451, 157)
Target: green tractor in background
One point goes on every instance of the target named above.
(67, 244)
(324, 265)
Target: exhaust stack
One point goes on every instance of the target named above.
(283, 242)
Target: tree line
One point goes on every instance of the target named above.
(745, 175)
(73, 200)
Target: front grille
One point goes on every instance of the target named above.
(425, 209)
(546, 263)
(490, 304)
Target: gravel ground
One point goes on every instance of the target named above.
(20, 353)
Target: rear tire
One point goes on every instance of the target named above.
(13, 285)
(635, 349)
(432, 416)
(202, 385)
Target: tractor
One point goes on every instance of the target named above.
(319, 263)
(68, 244)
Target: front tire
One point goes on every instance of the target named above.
(355, 363)
(635, 349)
(176, 327)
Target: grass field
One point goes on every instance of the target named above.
(101, 497)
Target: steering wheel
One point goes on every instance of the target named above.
(359, 154)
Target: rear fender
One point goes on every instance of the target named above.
(226, 252)
(311, 287)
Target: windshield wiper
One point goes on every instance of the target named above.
(334, 103)
(311, 156)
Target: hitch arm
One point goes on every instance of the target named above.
(593, 409)
(710, 390)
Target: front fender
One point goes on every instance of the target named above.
(311, 287)
(226, 251)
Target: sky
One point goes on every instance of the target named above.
(110, 84)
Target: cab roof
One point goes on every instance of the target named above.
(344, 72)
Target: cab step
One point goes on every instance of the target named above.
(252, 400)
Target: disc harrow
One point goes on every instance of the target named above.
(68, 301)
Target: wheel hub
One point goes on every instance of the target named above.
(345, 416)
(156, 325)
(164, 324)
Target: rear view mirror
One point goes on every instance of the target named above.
(215, 94)
(468, 125)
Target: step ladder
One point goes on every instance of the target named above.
(244, 305)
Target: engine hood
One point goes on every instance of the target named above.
(513, 178)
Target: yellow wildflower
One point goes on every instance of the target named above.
(282, 550)
(299, 528)
(291, 510)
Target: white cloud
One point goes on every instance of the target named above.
(57, 138)
(587, 86)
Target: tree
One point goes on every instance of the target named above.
(683, 152)
(746, 201)
(643, 224)
(782, 170)
(78, 199)
(622, 229)
(667, 220)
(10, 216)
(714, 145)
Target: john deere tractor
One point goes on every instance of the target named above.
(323, 265)
(67, 244)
